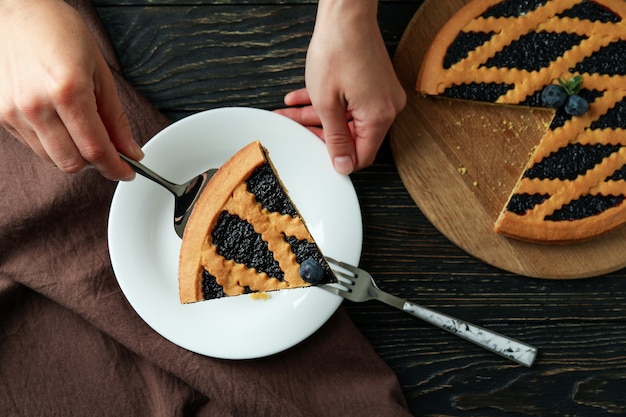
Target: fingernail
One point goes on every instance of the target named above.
(137, 149)
(128, 177)
(343, 165)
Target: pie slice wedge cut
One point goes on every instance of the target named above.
(246, 236)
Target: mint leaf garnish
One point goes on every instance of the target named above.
(573, 85)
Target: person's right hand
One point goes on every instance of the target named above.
(57, 94)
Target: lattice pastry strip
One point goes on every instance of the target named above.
(579, 128)
(507, 30)
(273, 227)
(239, 215)
(563, 191)
(467, 71)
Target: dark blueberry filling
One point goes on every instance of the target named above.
(237, 240)
(590, 10)
(464, 43)
(513, 8)
(609, 60)
(534, 50)
(210, 288)
(613, 119)
(268, 191)
(585, 206)
(561, 116)
(570, 161)
(619, 175)
(521, 203)
(488, 92)
(306, 250)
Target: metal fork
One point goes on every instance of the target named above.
(358, 285)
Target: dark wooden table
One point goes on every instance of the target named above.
(192, 55)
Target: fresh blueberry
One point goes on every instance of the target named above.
(311, 271)
(553, 96)
(576, 105)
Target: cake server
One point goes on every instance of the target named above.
(358, 285)
(185, 195)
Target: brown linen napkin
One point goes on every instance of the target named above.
(71, 345)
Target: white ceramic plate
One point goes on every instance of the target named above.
(144, 246)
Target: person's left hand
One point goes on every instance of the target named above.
(352, 93)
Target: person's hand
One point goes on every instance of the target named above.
(57, 93)
(350, 83)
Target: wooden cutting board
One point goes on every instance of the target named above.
(460, 161)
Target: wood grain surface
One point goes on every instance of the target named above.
(460, 162)
(579, 326)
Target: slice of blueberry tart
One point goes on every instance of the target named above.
(245, 235)
(564, 54)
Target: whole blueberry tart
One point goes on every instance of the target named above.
(569, 55)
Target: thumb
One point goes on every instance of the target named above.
(339, 141)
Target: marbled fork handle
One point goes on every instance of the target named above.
(358, 285)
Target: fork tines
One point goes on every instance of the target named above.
(346, 275)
